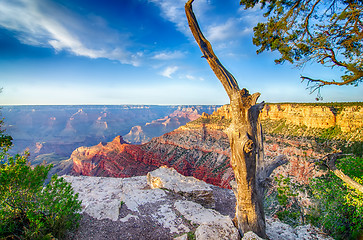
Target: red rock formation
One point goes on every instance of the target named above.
(199, 149)
(113, 159)
(201, 153)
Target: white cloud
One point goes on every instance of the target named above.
(252, 16)
(168, 55)
(173, 11)
(169, 71)
(190, 77)
(40, 23)
(232, 28)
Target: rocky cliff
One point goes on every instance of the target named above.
(202, 153)
(201, 149)
(347, 117)
(165, 205)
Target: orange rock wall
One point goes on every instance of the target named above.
(348, 118)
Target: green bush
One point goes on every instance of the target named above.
(335, 207)
(28, 209)
(289, 209)
(338, 208)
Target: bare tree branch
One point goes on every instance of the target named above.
(228, 81)
(330, 161)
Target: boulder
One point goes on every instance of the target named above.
(101, 197)
(212, 224)
(275, 229)
(251, 236)
(191, 188)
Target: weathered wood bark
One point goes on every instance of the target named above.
(330, 161)
(245, 137)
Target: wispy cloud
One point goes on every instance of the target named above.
(191, 77)
(169, 71)
(41, 23)
(232, 28)
(173, 11)
(167, 55)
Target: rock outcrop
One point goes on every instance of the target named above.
(130, 208)
(189, 187)
(201, 153)
(113, 159)
(348, 118)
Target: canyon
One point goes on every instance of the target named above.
(149, 173)
(52, 133)
(126, 141)
(201, 148)
(348, 117)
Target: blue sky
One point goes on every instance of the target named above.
(139, 52)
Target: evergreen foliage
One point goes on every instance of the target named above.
(334, 207)
(29, 210)
(339, 208)
(328, 32)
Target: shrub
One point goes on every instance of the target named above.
(288, 208)
(334, 207)
(339, 208)
(27, 209)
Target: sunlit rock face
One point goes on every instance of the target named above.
(346, 117)
(113, 159)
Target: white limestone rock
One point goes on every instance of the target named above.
(182, 237)
(251, 236)
(167, 217)
(101, 197)
(144, 200)
(276, 230)
(129, 216)
(212, 225)
(189, 187)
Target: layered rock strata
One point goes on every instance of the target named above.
(201, 148)
(348, 118)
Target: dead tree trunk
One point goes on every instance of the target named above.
(245, 138)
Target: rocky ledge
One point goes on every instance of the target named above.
(164, 205)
